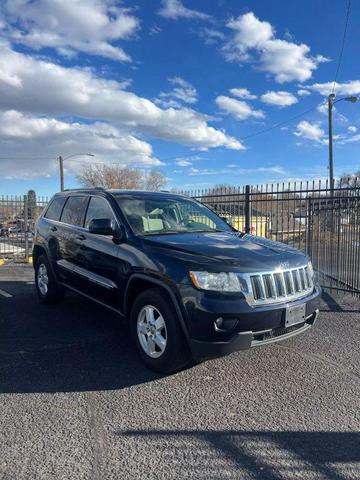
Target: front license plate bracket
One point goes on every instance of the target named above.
(295, 314)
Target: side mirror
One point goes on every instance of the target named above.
(101, 226)
(119, 234)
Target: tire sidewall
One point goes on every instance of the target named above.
(175, 339)
(54, 291)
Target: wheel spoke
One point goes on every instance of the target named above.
(151, 345)
(149, 312)
(159, 323)
(160, 341)
(142, 328)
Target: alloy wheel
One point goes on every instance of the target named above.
(43, 279)
(151, 331)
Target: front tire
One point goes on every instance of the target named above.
(157, 333)
(48, 288)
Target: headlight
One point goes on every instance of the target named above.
(310, 270)
(313, 275)
(219, 282)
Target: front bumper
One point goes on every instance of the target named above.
(244, 340)
(253, 326)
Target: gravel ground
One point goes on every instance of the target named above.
(76, 403)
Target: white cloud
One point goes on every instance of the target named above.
(351, 87)
(182, 91)
(175, 9)
(284, 59)
(237, 108)
(323, 108)
(90, 26)
(43, 88)
(280, 98)
(310, 131)
(183, 163)
(239, 171)
(352, 129)
(210, 35)
(354, 138)
(243, 93)
(34, 142)
(154, 30)
(303, 93)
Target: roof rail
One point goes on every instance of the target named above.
(84, 189)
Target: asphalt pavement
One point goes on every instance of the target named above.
(76, 403)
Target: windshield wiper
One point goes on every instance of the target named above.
(164, 232)
(206, 231)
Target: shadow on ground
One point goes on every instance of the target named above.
(75, 345)
(267, 454)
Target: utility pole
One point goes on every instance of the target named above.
(331, 102)
(61, 165)
(331, 98)
(61, 168)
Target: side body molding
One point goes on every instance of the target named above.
(93, 277)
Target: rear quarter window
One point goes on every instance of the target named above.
(74, 211)
(55, 208)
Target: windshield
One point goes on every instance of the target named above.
(164, 215)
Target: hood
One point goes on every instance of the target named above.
(246, 253)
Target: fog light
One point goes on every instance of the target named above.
(219, 321)
(225, 324)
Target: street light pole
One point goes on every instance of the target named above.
(331, 102)
(331, 151)
(61, 168)
(61, 165)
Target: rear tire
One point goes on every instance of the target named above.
(157, 333)
(48, 288)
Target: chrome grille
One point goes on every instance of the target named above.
(279, 286)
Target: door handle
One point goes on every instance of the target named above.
(80, 237)
(53, 229)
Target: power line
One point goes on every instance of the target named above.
(11, 157)
(342, 44)
(280, 124)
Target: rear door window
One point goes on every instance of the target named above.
(55, 207)
(74, 211)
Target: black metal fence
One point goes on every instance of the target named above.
(324, 222)
(17, 220)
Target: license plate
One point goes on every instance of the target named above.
(295, 315)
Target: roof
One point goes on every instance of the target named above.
(142, 193)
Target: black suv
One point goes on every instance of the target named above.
(191, 286)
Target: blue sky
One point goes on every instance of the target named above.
(175, 86)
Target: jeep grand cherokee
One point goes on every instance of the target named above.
(190, 286)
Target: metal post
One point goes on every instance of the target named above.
(26, 226)
(309, 227)
(61, 167)
(331, 155)
(247, 209)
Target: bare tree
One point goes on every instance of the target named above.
(155, 180)
(116, 176)
(110, 176)
(349, 180)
